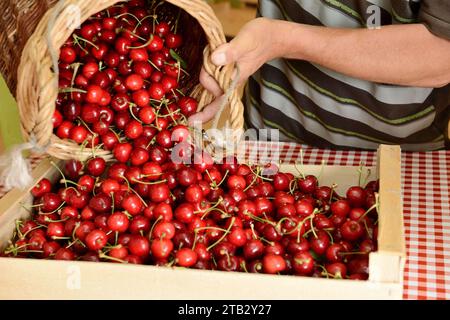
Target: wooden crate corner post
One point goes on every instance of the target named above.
(387, 264)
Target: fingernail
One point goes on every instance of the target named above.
(219, 58)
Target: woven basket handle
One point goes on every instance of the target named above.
(227, 77)
(206, 17)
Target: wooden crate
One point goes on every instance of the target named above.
(47, 279)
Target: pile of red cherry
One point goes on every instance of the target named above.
(226, 216)
(120, 80)
(163, 201)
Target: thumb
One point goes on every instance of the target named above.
(223, 55)
(230, 52)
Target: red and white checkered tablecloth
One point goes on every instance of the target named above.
(426, 203)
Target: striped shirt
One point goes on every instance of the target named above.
(311, 104)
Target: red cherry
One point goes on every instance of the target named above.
(164, 230)
(159, 192)
(188, 106)
(186, 257)
(303, 208)
(50, 248)
(273, 264)
(236, 181)
(333, 252)
(44, 186)
(161, 248)
(55, 230)
(337, 270)
(139, 246)
(164, 139)
(185, 213)
(173, 41)
(308, 185)
(163, 211)
(143, 68)
(303, 263)
(50, 202)
(156, 44)
(134, 82)
(132, 204)
(96, 240)
(162, 29)
(118, 222)
(68, 55)
(94, 94)
(194, 194)
(122, 152)
(139, 55)
(64, 254)
(352, 230)
(156, 91)
(340, 208)
(96, 166)
(253, 249)
(57, 119)
(356, 196)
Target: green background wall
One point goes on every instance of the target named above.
(9, 117)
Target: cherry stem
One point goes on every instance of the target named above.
(56, 210)
(352, 253)
(47, 219)
(256, 175)
(150, 235)
(131, 106)
(325, 271)
(65, 181)
(104, 256)
(127, 14)
(144, 45)
(375, 206)
(60, 238)
(76, 67)
(76, 37)
(293, 186)
(252, 227)
(149, 183)
(176, 21)
(360, 170)
(35, 228)
(154, 65)
(19, 224)
(301, 169)
(259, 219)
(223, 179)
(180, 92)
(322, 167)
(244, 267)
(223, 236)
(139, 196)
(59, 170)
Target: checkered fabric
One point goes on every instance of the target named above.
(426, 202)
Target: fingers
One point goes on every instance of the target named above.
(210, 83)
(207, 113)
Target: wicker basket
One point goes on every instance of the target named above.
(44, 24)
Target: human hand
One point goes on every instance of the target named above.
(250, 49)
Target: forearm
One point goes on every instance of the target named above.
(403, 55)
